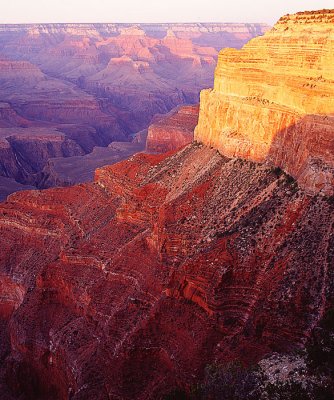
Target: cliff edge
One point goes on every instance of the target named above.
(273, 100)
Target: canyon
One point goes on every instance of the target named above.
(130, 286)
(90, 85)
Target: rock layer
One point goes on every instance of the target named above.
(127, 287)
(99, 83)
(274, 100)
(172, 131)
(23, 155)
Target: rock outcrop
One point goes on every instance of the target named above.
(273, 100)
(10, 118)
(127, 287)
(172, 131)
(23, 155)
(74, 169)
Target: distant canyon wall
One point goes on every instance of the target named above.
(93, 84)
(172, 131)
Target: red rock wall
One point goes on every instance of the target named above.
(129, 286)
(172, 131)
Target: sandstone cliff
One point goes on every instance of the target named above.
(273, 100)
(127, 287)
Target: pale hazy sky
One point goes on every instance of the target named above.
(26, 11)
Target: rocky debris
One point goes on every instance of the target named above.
(166, 263)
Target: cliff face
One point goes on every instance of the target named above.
(9, 118)
(24, 154)
(274, 100)
(172, 131)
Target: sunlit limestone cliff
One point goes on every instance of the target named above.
(273, 100)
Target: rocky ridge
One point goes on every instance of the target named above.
(128, 286)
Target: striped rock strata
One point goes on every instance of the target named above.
(273, 100)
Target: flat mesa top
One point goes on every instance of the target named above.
(308, 17)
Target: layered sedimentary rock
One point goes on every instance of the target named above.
(217, 35)
(274, 100)
(36, 96)
(24, 154)
(172, 131)
(10, 118)
(127, 287)
(99, 83)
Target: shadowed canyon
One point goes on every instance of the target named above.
(167, 266)
(68, 90)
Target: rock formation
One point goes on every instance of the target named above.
(74, 169)
(100, 83)
(274, 100)
(172, 131)
(127, 287)
(23, 154)
(10, 118)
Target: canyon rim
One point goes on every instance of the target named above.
(201, 267)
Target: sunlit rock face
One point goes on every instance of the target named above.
(129, 286)
(274, 100)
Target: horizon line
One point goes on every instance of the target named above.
(134, 23)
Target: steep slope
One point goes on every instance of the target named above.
(127, 287)
(37, 96)
(273, 100)
(244, 257)
(78, 169)
(24, 153)
(9, 185)
(10, 118)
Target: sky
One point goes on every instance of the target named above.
(39, 11)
